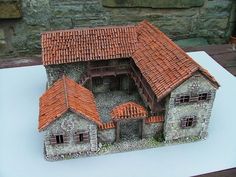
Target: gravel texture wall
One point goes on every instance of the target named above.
(202, 110)
(71, 70)
(107, 136)
(76, 123)
(152, 129)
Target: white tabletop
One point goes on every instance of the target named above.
(21, 145)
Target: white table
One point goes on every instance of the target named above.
(21, 145)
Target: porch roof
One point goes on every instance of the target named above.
(129, 110)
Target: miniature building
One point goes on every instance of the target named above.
(114, 84)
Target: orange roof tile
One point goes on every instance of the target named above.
(162, 63)
(64, 95)
(107, 125)
(128, 110)
(88, 44)
(154, 119)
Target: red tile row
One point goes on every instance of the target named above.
(154, 119)
(128, 110)
(64, 95)
(108, 125)
(88, 44)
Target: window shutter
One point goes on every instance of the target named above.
(193, 99)
(194, 121)
(208, 96)
(177, 100)
(76, 137)
(86, 136)
(66, 138)
(183, 123)
(53, 140)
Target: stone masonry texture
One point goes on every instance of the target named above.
(78, 124)
(202, 110)
(212, 20)
(72, 70)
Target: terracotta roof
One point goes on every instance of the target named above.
(73, 45)
(128, 110)
(107, 125)
(162, 63)
(154, 119)
(64, 95)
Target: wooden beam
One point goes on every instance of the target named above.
(141, 128)
(117, 131)
(90, 83)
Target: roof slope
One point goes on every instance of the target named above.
(129, 110)
(88, 44)
(64, 95)
(162, 63)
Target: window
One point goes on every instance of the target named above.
(204, 96)
(59, 139)
(188, 122)
(81, 137)
(193, 98)
(98, 81)
(182, 99)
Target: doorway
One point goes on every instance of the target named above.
(130, 130)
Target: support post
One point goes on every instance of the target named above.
(154, 104)
(91, 83)
(141, 128)
(88, 67)
(117, 131)
(128, 85)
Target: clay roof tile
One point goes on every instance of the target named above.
(129, 110)
(64, 95)
(162, 63)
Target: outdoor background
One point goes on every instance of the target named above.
(187, 22)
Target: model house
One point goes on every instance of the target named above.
(108, 85)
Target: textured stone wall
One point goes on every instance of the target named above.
(72, 70)
(79, 124)
(152, 129)
(107, 135)
(202, 21)
(202, 110)
(10, 9)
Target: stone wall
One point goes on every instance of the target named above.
(201, 21)
(71, 70)
(58, 127)
(152, 129)
(202, 110)
(107, 135)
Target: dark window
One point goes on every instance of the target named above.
(188, 122)
(193, 98)
(182, 99)
(59, 139)
(202, 96)
(98, 81)
(81, 137)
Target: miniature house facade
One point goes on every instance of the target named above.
(115, 84)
